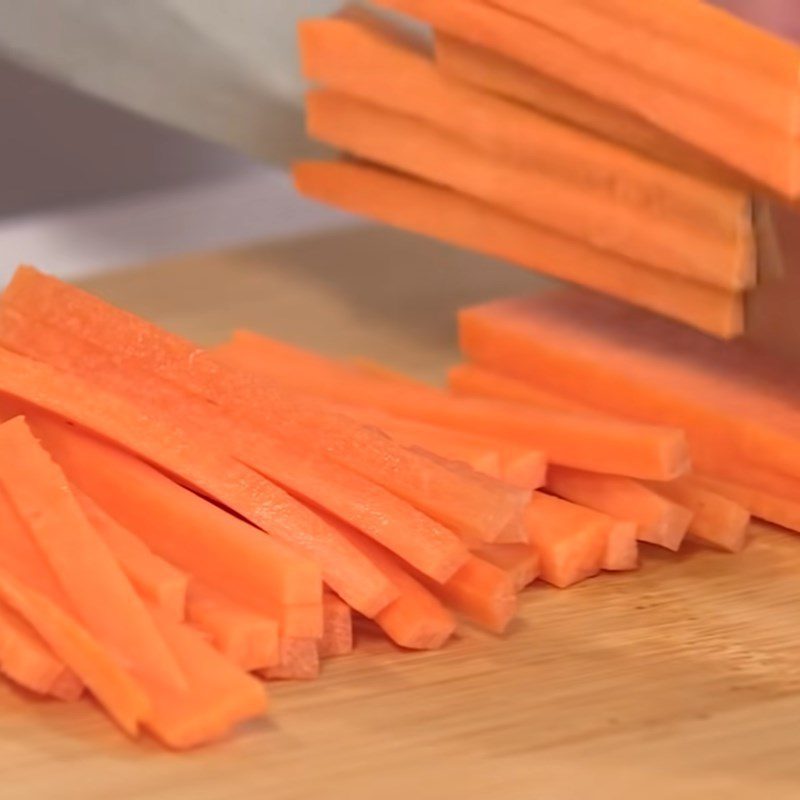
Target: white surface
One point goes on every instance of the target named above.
(77, 242)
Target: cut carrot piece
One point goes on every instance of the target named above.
(362, 59)
(244, 637)
(337, 634)
(416, 619)
(87, 571)
(571, 547)
(737, 407)
(67, 687)
(442, 214)
(219, 694)
(750, 148)
(462, 502)
(716, 520)
(691, 70)
(607, 445)
(186, 530)
(489, 71)
(417, 148)
(121, 695)
(781, 511)
(156, 580)
(299, 661)
(520, 561)
(481, 592)
(659, 520)
(25, 659)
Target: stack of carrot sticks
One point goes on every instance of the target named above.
(596, 141)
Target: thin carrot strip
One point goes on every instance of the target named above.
(299, 661)
(85, 568)
(606, 445)
(716, 520)
(246, 638)
(120, 695)
(156, 580)
(337, 634)
(520, 561)
(454, 218)
(660, 521)
(456, 500)
(362, 59)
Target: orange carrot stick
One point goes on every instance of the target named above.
(691, 70)
(416, 619)
(752, 149)
(219, 694)
(156, 580)
(244, 637)
(85, 568)
(716, 520)
(454, 218)
(497, 74)
(605, 444)
(660, 521)
(456, 500)
(337, 634)
(361, 59)
(520, 561)
(299, 661)
(420, 149)
(120, 695)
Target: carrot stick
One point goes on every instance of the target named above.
(733, 39)
(460, 220)
(87, 571)
(245, 637)
(120, 695)
(691, 70)
(196, 536)
(660, 521)
(456, 500)
(155, 579)
(299, 661)
(736, 406)
(750, 148)
(337, 634)
(716, 520)
(416, 619)
(26, 660)
(572, 545)
(417, 148)
(489, 71)
(519, 561)
(363, 60)
(607, 445)
(219, 694)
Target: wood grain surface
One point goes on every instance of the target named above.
(679, 681)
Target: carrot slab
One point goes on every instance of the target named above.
(246, 638)
(454, 218)
(456, 500)
(716, 520)
(489, 71)
(120, 694)
(754, 150)
(156, 580)
(738, 409)
(608, 445)
(520, 561)
(659, 521)
(337, 633)
(362, 59)
(299, 661)
(85, 568)
(420, 149)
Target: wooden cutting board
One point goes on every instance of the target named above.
(679, 681)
